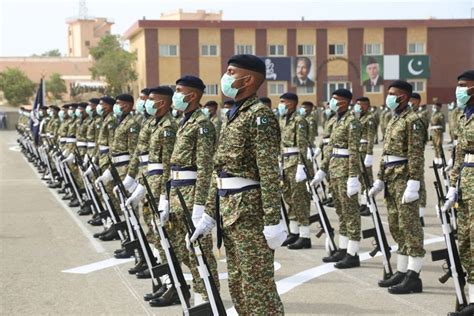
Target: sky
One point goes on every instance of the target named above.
(35, 26)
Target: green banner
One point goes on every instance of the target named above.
(414, 67)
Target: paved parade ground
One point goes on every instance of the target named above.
(51, 264)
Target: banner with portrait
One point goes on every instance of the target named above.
(277, 68)
(372, 71)
(303, 71)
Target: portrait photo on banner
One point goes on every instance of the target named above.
(371, 68)
(303, 71)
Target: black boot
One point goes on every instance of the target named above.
(159, 293)
(54, 185)
(466, 311)
(337, 256)
(140, 266)
(170, 297)
(301, 243)
(111, 235)
(364, 210)
(62, 190)
(395, 279)
(144, 274)
(74, 203)
(102, 233)
(348, 262)
(95, 221)
(290, 239)
(86, 210)
(66, 197)
(124, 254)
(410, 284)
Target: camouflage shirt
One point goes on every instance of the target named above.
(217, 125)
(368, 132)
(71, 133)
(294, 133)
(194, 148)
(53, 125)
(424, 116)
(345, 134)
(106, 137)
(327, 130)
(437, 119)
(142, 145)
(81, 135)
(312, 127)
(125, 136)
(92, 135)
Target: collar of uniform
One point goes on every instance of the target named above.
(403, 113)
(124, 117)
(187, 116)
(341, 116)
(290, 116)
(468, 111)
(238, 106)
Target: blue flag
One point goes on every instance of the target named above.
(34, 116)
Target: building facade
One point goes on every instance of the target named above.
(84, 33)
(311, 58)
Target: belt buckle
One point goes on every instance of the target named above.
(219, 183)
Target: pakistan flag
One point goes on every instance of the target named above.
(414, 67)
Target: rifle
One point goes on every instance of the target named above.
(451, 253)
(321, 217)
(215, 305)
(452, 212)
(135, 230)
(284, 214)
(173, 266)
(316, 167)
(378, 231)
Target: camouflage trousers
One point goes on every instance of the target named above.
(177, 231)
(249, 259)
(370, 174)
(403, 219)
(423, 191)
(77, 176)
(437, 137)
(296, 196)
(347, 208)
(466, 236)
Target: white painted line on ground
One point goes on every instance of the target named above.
(287, 284)
(96, 266)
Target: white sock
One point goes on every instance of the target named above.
(294, 227)
(198, 300)
(304, 232)
(343, 242)
(402, 263)
(415, 263)
(471, 293)
(353, 247)
(422, 211)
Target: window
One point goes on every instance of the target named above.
(208, 50)
(211, 89)
(373, 49)
(244, 49)
(416, 48)
(305, 90)
(306, 50)
(333, 86)
(373, 89)
(418, 85)
(337, 49)
(87, 43)
(276, 50)
(168, 50)
(276, 88)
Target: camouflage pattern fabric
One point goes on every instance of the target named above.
(106, 137)
(125, 140)
(368, 132)
(143, 142)
(312, 120)
(81, 134)
(437, 119)
(216, 121)
(92, 135)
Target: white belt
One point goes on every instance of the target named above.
(436, 127)
(155, 166)
(144, 158)
(234, 183)
(62, 139)
(364, 141)
(81, 144)
(340, 151)
(183, 175)
(48, 134)
(455, 142)
(70, 140)
(121, 158)
(390, 158)
(101, 147)
(90, 145)
(326, 140)
(291, 150)
(469, 158)
(43, 135)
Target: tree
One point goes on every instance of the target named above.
(56, 86)
(114, 63)
(49, 53)
(16, 86)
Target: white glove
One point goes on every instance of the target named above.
(275, 235)
(65, 153)
(411, 192)
(105, 178)
(449, 165)
(377, 187)
(309, 154)
(451, 198)
(69, 158)
(368, 161)
(317, 152)
(204, 227)
(85, 161)
(300, 174)
(353, 186)
(88, 172)
(164, 208)
(130, 184)
(136, 196)
(198, 210)
(318, 177)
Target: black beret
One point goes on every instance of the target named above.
(54, 107)
(73, 105)
(415, 95)
(211, 103)
(289, 96)
(43, 107)
(162, 90)
(308, 103)
(108, 100)
(145, 91)
(467, 75)
(192, 82)
(229, 101)
(371, 60)
(250, 62)
(363, 99)
(265, 100)
(402, 85)
(65, 106)
(125, 97)
(82, 105)
(94, 101)
(344, 93)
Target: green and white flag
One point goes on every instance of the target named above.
(406, 67)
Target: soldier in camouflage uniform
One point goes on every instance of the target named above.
(191, 167)
(366, 149)
(386, 117)
(376, 115)
(246, 180)
(462, 182)
(452, 120)
(343, 167)
(310, 114)
(294, 145)
(210, 109)
(437, 130)
(400, 174)
(140, 113)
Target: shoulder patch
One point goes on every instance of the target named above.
(203, 130)
(167, 133)
(262, 120)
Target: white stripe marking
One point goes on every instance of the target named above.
(96, 266)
